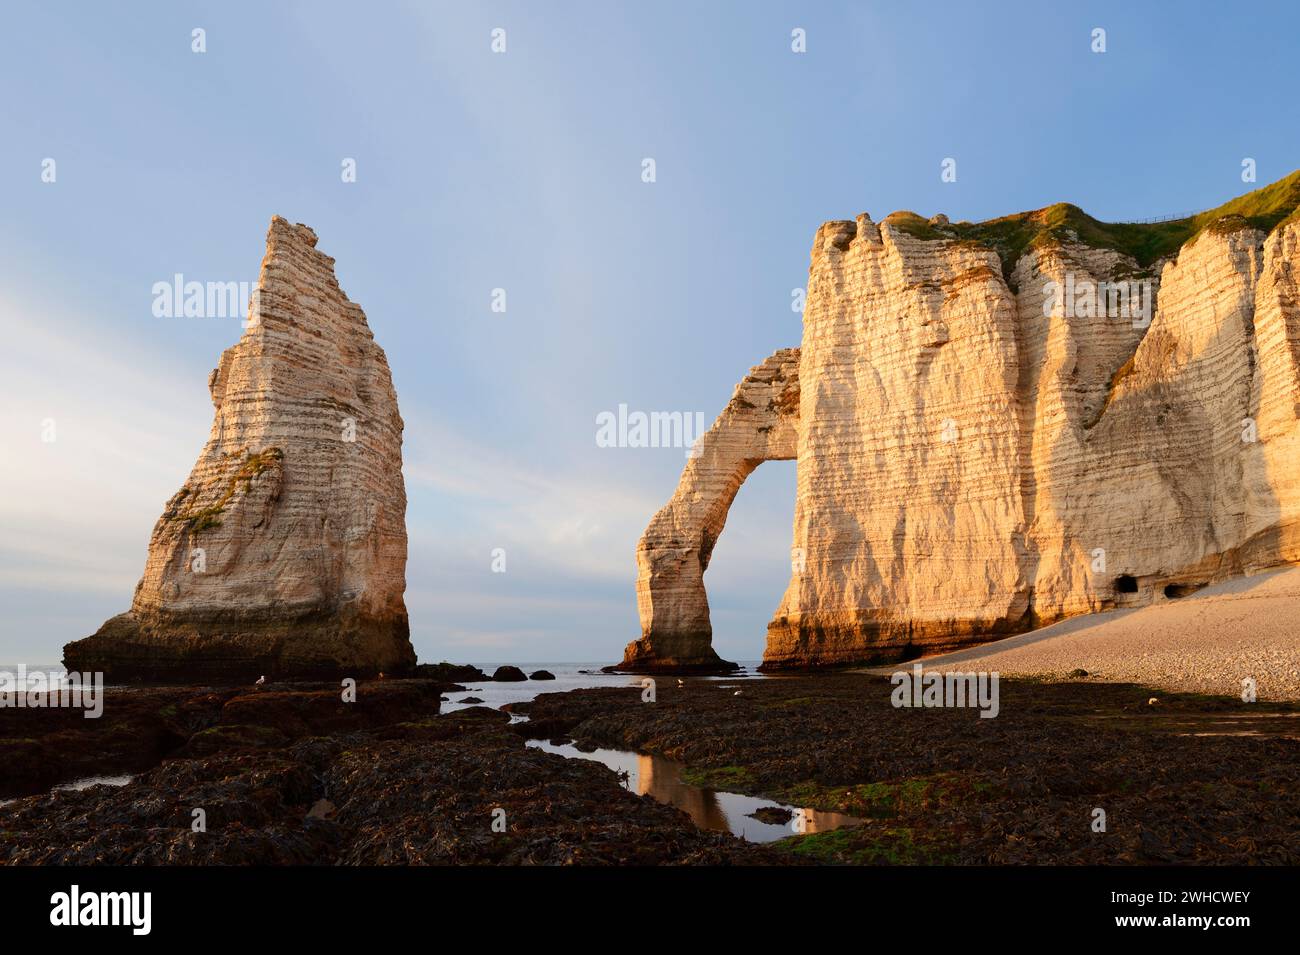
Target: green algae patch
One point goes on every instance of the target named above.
(210, 516)
(728, 778)
(888, 800)
(1145, 242)
(866, 845)
(233, 737)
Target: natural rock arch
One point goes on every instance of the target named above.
(977, 458)
(759, 424)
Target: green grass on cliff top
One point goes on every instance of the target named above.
(1011, 235)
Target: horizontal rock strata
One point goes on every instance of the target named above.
(979, 455)
(759, 424)
(284, 553)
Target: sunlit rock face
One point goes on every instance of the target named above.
(284, 553)
(759, 424)
(976, 458)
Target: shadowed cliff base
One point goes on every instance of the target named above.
(232, 648)
(864, 637)
(682, 654)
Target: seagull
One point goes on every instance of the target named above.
(681, 682)
(737, 693)
(260, 680)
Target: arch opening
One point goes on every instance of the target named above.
(759, 423)
(751, 563)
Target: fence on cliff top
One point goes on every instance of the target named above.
(1154, 219)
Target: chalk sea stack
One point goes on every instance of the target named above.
(978, 454)
(284, 553)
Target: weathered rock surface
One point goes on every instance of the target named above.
(290, 774)
(759, 424)
(142, 726)
(976, 459)
(943, 786)
(285, 551)
(450, 672)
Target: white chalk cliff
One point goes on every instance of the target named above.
(975, 458)
(284, 553)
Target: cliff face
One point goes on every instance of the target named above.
(285, 551)
(979, 455)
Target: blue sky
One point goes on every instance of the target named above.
(522, 171)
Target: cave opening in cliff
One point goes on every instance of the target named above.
(1174, 591)
(1125, 584)
(751, 562)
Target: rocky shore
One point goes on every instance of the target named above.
(293, 774)
(1183, 779)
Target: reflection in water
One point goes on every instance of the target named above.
(661, 779)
